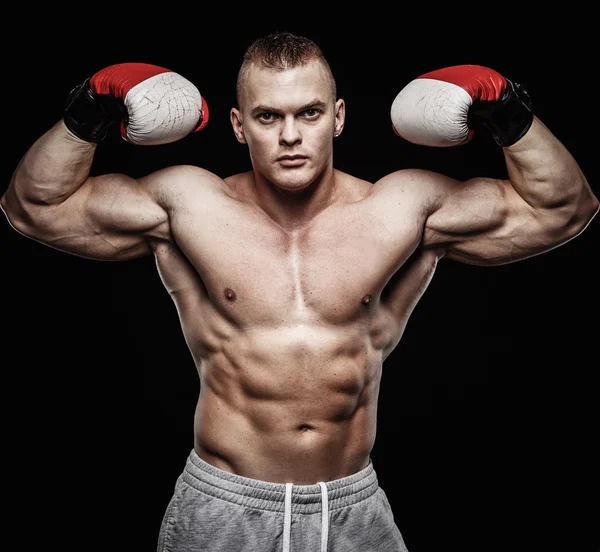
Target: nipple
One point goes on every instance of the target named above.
(229, 294)
(366, 299)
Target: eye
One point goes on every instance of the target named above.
(267, 116)
(312, 113)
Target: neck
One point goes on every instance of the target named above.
(293, 210)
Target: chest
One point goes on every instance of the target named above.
(331, 271)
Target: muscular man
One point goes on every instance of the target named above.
(278, 273)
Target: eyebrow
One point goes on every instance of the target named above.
(262, 108)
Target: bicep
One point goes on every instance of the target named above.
(479, 221)
(482, 221)
(110, 217)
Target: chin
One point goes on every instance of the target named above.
(293, 182)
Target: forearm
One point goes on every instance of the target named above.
(547, 177)
(53, 168)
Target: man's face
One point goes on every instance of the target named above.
(288, 119)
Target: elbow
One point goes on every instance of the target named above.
(588, 209)
(3, 205)
(588, 206)
(579, 218)
(571, 213)
(8, 208)
(16, 214)
(594, 206)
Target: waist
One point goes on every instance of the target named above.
(265, 495)
(302, 441)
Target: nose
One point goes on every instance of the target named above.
(290, 133)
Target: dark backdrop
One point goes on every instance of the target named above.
(488, 406)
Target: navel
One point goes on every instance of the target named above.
(229, 294)
(305, 427)
(366, 299)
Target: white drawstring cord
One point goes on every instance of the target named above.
(324, 517)
(287, 517)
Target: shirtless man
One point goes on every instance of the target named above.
(278, 274)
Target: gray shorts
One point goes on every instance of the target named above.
(214, 510)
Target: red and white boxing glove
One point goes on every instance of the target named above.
(446, 107)
(151, 105)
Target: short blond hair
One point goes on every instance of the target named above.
(280, 51)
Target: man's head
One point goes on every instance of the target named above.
(287, 106)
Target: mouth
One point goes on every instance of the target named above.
(292, 160)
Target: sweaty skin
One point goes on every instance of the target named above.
(294, 281)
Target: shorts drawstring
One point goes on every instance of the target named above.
(324, 517)
(287, 517)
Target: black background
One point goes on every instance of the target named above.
(488, 407)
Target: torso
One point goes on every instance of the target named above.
(289, 330)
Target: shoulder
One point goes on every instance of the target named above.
(181, 176)
(424, 187)
(180, 183)
(411, 179)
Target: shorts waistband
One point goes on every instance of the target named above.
(265, 495)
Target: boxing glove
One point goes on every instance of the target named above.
(151, 105)
(446, 107)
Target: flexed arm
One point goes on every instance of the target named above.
(545, 201)
(51, 196)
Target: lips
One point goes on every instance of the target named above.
(292, 160)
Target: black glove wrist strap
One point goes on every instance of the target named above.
(89, 115)
(507, 119)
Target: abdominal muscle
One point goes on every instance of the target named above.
(289, 404)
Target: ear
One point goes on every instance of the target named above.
(236, 122)
(340, 117)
